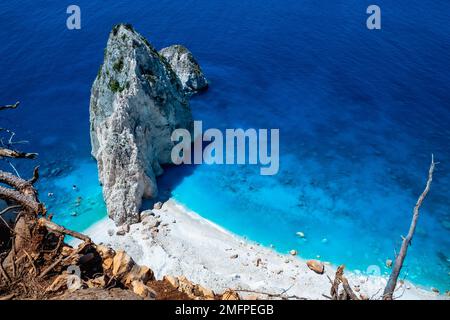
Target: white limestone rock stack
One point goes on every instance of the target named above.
(137, 100)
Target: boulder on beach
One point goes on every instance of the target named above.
(316, 266)
(157, 205)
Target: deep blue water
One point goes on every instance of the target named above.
(359, 112)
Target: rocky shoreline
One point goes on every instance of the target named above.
(174, 240)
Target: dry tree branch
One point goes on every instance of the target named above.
(348, 293)
(10, 106)
(13, 167)
(20, 198)
(3, 273)
(9, 208)
(13, 181)
(8, 153)
(35, 176)
(10, 140)
(7, 297)
(53, 227)
(63, 259)
(390, 286)
(6, 210)
(272, 295)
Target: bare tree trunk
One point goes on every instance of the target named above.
(390, 286)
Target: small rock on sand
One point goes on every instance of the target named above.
(234, 256)
(123, 230)
(316, 266)
(145, 214)
(151, 222)
(157, 205)
(293, 252)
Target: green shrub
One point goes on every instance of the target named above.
(114, 86)
(118, 66)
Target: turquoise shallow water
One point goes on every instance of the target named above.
(359, 115)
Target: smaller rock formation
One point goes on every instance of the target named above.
(185, 67)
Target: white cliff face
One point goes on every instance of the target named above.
(186, 68)
(136, 102)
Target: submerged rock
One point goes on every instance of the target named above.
(446, 224)
(388, 263)
(186, 68)
(300, 234)
(137, 100)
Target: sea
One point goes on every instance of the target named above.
(359, 111)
